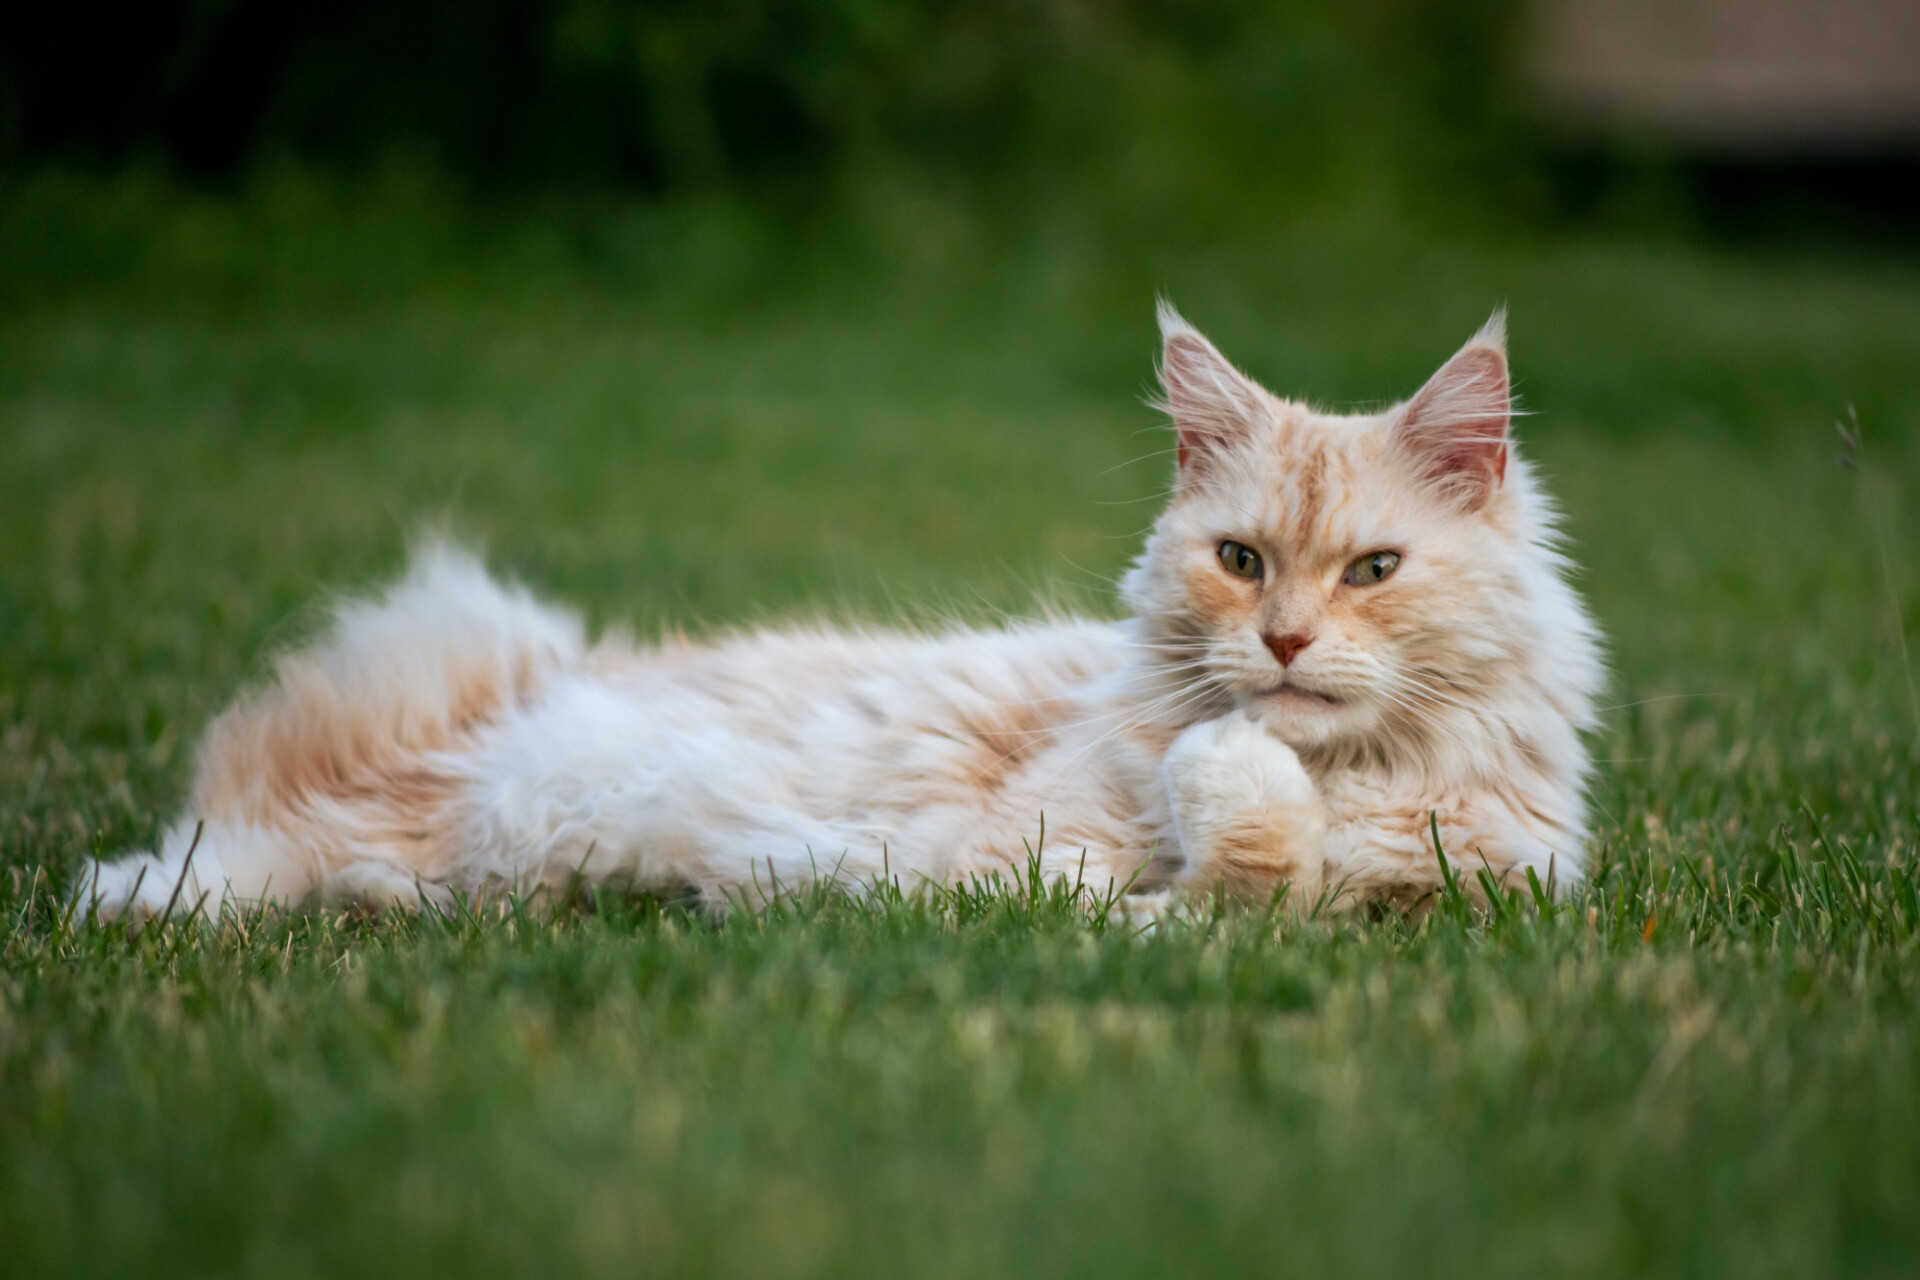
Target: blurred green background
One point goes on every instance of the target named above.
(1204, 110)
(1166, 119)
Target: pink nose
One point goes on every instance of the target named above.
(1287, 647)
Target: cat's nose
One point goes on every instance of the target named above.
(1287, 647)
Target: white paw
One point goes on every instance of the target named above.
(1145, 913)
(1246, 811)
(1141, 912)
(1234, 762)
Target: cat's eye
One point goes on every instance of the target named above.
(1240, 560)
(1371, 568)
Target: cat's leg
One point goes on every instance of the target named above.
(1384, 851)
(1247, 814)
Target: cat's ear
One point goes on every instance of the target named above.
(1455, 427)
(1212, 404)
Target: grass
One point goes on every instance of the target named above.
(212, 413)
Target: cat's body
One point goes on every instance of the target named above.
(1279, 711)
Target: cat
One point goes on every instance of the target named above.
(1348, 633)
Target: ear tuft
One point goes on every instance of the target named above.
(1493, 333)
(1456, 426)
(1172, 323)
(1213, 405)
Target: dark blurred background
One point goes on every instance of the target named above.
(1777, 117)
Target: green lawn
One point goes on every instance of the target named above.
(214, 414)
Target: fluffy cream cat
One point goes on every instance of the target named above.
(1341, 625)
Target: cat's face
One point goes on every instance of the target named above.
(1340, 576)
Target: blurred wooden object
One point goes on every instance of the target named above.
(1785, 78)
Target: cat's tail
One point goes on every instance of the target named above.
(339, 776)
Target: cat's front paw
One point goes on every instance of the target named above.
(1236, 760)
(1247, 813)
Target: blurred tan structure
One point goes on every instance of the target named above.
(1788, 78)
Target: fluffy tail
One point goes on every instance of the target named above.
(337, 776)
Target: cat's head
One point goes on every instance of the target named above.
(1354, 578)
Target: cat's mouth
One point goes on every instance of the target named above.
(1292, 693)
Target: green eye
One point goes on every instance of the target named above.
(1371, 568)
(1240, 560)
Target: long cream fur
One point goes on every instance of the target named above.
(455, 734)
